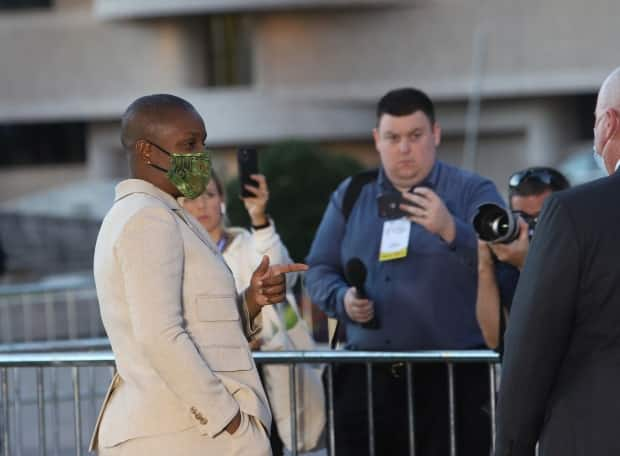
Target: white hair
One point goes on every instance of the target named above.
(609, 95)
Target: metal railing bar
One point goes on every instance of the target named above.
(17, 411)
(77, 414)
(450, 367)
(106, 357)
(293, 404)
(6, 413)
(96, 343)
(343, 356)
(41, 411)
(55, 410)
(92, 392)
(53, 359)
(410, 415)
(330, 410)
(371, 418)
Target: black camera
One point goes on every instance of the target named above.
(497, 225)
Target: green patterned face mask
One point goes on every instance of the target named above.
(189, 173)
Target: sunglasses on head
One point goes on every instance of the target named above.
(546, 176)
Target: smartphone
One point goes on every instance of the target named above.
(388, 205)
(247, 163)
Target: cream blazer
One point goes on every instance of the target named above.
(177, 327)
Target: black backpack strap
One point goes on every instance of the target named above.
(351, 195)
(354, 188)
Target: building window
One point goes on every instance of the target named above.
(42, 144)
(23, 4)
(585, 105)
(229, 52)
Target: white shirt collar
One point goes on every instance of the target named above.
(129, 186)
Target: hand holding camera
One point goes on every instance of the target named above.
(515, 252)
(507, 233)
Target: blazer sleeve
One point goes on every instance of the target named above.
(150, 254)
(539, 330)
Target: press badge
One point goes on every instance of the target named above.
(395, 239)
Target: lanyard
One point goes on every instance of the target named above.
(221, 244)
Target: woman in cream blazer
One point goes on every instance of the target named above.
(178, 330)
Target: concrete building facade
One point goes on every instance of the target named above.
(264, 70)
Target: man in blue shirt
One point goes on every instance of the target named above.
(421, 286)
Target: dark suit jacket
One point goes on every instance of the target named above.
(561, 371)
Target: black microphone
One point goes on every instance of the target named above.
(355, 273)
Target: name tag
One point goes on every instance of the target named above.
(395, 239)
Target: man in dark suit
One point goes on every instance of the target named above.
(561, 371)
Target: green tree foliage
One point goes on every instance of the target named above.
(301, 178)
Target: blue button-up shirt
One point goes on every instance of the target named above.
(424, 301)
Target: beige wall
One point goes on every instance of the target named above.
(533, 46)
(52, 57)
(319, 73)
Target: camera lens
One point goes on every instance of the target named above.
(495, 224)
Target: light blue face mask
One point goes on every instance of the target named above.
(599, 160)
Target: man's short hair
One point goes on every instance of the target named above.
(405, 101)
(536, 180)
(140, 117)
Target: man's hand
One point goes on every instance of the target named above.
(429, 211)
(257, 205)
(232, 427)
(515, 252)
(358, 310)
(268, 284)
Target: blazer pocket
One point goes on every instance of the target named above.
(217, 308)
(221, 358)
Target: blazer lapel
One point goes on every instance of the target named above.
(198, 231)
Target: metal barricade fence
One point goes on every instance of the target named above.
(63, 307)
(50, 400)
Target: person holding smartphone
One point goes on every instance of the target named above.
(243, 249)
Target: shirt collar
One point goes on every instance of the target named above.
(129, 186)
(430, 180)
(617, 165)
